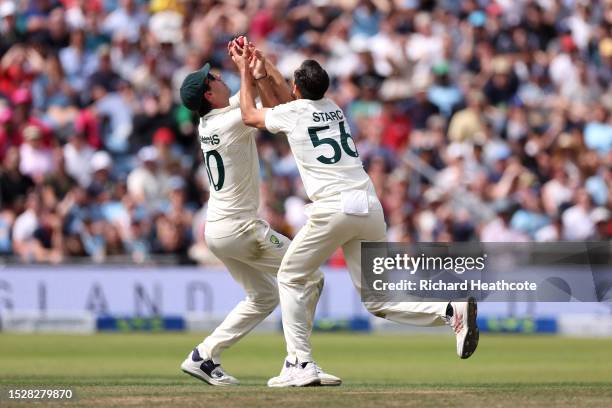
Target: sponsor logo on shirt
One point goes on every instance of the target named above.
(211, 140)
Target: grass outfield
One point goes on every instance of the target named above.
(108, 370)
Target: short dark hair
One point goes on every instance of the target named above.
(311, 79)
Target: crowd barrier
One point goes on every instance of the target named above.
(92, 298)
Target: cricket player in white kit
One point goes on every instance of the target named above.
(249, 248)
(345, 212)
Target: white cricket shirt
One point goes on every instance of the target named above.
(324, 150)
(231, 163)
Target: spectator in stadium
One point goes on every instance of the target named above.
(59, 180)
(18, 68)
(115, 112)
(77, 158)
(14, 185)
(23, 116)
(78, 62)
(52, 94)
(145, 182)
(577, 220)
(10, 34)
(101, 166)
(36, 159)
(47, 242)
(25, 225)
(467, 124)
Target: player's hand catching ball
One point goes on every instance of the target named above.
(238, 43)
(257, 64)
(240, 55)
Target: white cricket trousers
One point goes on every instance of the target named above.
(253, 256)
(324, 232)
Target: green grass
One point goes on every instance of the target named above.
(136, 370)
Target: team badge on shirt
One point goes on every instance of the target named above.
(275, 241)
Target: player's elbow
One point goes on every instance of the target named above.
(250, 117)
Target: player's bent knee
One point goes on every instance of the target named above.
(265, 303)
(295, 279)
(377, 309)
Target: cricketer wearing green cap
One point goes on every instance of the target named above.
(202, 91)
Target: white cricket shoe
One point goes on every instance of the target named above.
(206, 370)
(326, 378)
(465, 327)
(296, 375)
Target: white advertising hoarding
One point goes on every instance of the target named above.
(146, 291)
(179, 291)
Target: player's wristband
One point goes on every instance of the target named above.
(263, 77)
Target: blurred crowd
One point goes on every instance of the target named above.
(477, 120)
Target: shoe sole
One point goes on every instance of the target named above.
(205, 378)
(331, 383)
(471, 338)
(311, 382)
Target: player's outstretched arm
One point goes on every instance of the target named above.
(251, 116)
(278, 83)
(257, 67)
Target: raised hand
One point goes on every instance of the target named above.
(239, 55)
(257, 64)
(238, 43)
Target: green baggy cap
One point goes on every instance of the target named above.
(193, 87)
